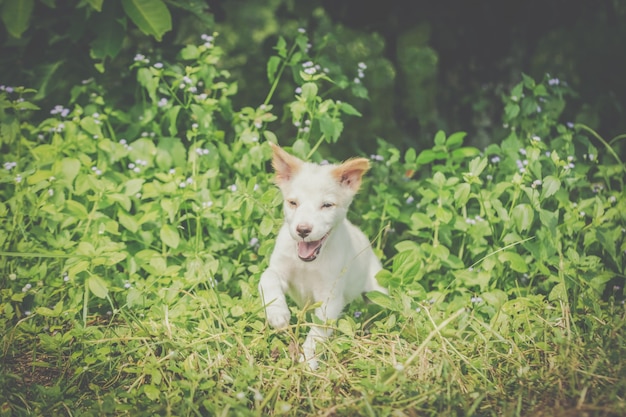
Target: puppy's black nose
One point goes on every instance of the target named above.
(304, 229)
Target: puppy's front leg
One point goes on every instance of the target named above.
(272, 289)
(329, 311)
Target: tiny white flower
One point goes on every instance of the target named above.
(240, 396)
(50, 192)
(127, 285)
(12, 276)
(172, 171)
(158, 65)
(399, 367)
(301, 30)
(232, 187)
(476, 300)
(536, 138)
(299, 90)
(362, 65)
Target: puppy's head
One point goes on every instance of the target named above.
(316, 197)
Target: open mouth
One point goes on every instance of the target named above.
(308, 251)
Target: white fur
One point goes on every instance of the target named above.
(316, 198)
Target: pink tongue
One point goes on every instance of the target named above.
(307, 250)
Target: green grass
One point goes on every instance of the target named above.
(195, 359)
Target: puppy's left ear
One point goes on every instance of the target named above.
(349, 173)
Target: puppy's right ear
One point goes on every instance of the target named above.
(285, 165)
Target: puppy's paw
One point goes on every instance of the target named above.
(278, 317)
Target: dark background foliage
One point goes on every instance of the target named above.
(431, 65)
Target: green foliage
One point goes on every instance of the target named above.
(132, 240)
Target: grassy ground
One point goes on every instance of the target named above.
(196, 358)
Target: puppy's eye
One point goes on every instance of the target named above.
(292, 203)
(328, 205)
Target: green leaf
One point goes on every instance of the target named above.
(523, 215)
(151, 16)
(272, 68)
(151, 392)
(15, 15)
(382, 300)
(461, 194)
(349, 110)
(170, 236)
(558, 292)
(309, 91)
(440, 138)
(549, 186)
(455, 140)
(515, 261)
(266, 227)
(128, 221)
(330, 127)
(97, 286)
(190, 52)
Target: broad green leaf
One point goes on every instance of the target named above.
(309, 91)
(151, 16)
(76, 209)
(523, 215)
(169, 236)
(515, 261)
(128, 221)
(272, 68)
(330, 127)
(348, 109)
(477, 165)
(190, 52)
(383, 300)
(15, 15)
(266, 227)
(549, 219)
(455, 140)
(558, 292)
(440, 138)
(153, 393)
(549, 186)
(410, 156)
(461, 194)
(97, 286)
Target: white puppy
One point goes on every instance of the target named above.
(319, 257)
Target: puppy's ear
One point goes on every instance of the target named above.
(349, 173)
(285, 165)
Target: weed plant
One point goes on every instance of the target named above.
(132, 240)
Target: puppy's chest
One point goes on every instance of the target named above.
(310, 285)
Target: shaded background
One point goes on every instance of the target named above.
(430, 65)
